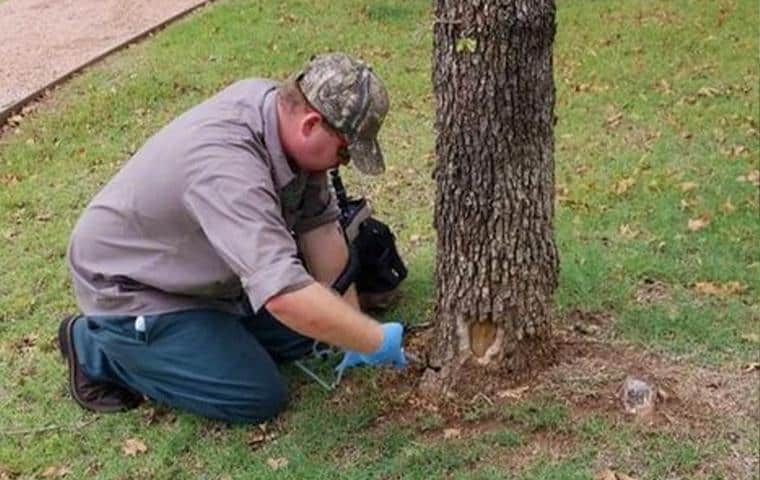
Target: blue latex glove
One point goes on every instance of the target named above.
(389, 353)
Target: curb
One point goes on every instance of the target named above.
(17, 106)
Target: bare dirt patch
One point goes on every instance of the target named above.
(706, 405)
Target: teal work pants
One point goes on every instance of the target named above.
(218, 365)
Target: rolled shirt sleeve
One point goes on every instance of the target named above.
(239, 211)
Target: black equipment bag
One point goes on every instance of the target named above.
(381, 267)
(374, 264)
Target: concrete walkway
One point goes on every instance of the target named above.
(43, 42)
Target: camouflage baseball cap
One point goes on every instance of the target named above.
(353, 100)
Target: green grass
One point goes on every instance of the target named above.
(682, 74)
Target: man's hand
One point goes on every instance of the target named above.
(389, 353)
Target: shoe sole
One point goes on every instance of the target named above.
(68, 352)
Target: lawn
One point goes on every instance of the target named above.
(657, 225)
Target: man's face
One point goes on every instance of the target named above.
(324, 148)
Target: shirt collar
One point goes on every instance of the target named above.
(283, 174)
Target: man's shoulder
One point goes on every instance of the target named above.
(250, 88)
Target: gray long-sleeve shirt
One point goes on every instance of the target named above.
(204, 210)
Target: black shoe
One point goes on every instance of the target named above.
(92, 395)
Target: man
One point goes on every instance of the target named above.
(188, 266)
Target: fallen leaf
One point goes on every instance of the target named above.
(626, 231)
(563, 195)
(259, 436)
(10, 234)
(696, 224)
(133, 446)
(728, 207)
(751, 337)
(737, 150)
(586, 328)
(56, 471)
(751, 367)
(514, 393)
(720, 289)
(605, 474)
(583, 87)
(614, 120)
(752, 177)
(414, 238)
(665, 87)
(277, 463)
(708, 92)
(688, 186)
(9, 179)
(608, 474)
(6, 474)
(651, 291)
(27, 343)
(623, 185)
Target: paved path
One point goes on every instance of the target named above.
(44, 41)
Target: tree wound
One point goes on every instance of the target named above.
(482, 336)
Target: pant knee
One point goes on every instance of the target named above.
(262, 406)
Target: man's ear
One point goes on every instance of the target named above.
(309, 122)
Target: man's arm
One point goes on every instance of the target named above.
(326, 254)
(316, 312)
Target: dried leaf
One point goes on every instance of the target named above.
(752, 177)
(277, 463)
(26, 343)
(688, 186)
(751, 337)
(10, 234)
(133, 446)
(605, 474)
(626, 231)
(720, 289)
(9, 179)
(623, 185)
(665, 87)
(56, 471)
(583, 87)
(708, 92)
(514, 393)
(608, 474)
(696, 224)
(260, 435)
(737, 150)
(751, 367)
(563, 194)
(586, 328)
(614, 120)
(450, 433)
(728, 207)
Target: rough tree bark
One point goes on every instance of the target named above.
(497, 263)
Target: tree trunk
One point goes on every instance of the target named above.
(497, 263)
